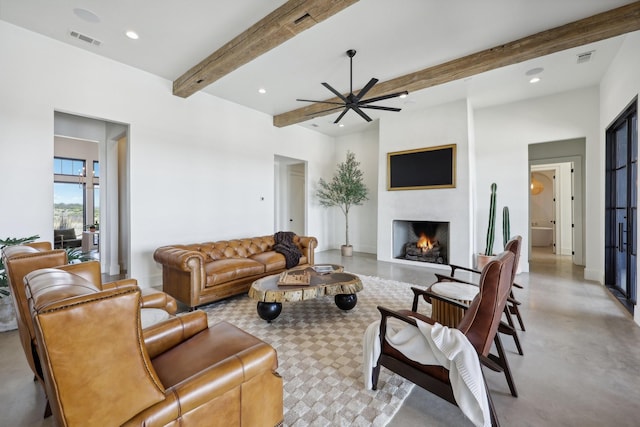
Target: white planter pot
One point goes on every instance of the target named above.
(7, 315)
(346, 250)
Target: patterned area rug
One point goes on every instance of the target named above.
(320, 354)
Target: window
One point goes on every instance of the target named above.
(76, 194)
(63, 166)
(68, 206)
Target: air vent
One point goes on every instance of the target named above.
(85, 38)
(585, 56)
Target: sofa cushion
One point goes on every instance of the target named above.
(272, 260)
(226, 270)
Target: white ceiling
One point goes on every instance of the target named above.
(392, 38)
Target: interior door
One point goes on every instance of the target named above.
(296, 202)
(621, 214)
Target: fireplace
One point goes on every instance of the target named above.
(421, 241)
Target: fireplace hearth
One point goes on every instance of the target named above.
(421, 241)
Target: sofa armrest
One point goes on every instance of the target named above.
(308, 245)
(165, 335)
(179, 259)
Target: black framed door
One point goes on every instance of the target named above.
(621, 206)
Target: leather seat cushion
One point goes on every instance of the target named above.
(213, 346)
(227, 270)
(272, 260)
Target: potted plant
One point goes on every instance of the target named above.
(346, 189)
(484, 258)
(7, 313)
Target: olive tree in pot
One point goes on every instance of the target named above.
(346, 189)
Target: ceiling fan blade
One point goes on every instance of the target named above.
(367, 88)
(376, 107)
(324, 111)
(321, 102)
(335, 92)
(383, 97)
(361, 113)
(342, 114)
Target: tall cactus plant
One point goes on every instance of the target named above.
(491, 230)
(506, 226)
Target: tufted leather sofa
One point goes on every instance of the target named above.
(200, 273)
(101, 369)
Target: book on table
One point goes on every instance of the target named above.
(294, 278)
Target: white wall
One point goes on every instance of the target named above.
(617, 89)
(198, 165)
(503, 134)
(445, 124)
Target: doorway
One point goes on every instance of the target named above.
(621, 206)
(290, 195)
(557, 200)
(101, 185)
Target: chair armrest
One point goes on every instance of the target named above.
(89, 270)
(165, 335)
(385, 312)
(153, 298)
(459, 267)
(431, 295)
(194, 393)
(442, 278)
(119, 283)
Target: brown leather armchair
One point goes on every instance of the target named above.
(101, 368)
(479, 324)
(19, 260)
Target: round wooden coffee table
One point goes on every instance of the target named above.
(322, 281)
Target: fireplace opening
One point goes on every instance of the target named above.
(421, 241)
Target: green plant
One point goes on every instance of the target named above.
(76, 254)
(10, 241)
(491, 229)
(506, 226)
(346, 189)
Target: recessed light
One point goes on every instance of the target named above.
(86, 15)
(534, 80)
(404, 95)
(262, 90)
(132, 35)
(534, 71)
(341, 125)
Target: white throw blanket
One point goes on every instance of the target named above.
(435, 345)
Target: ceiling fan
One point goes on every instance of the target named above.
(355, 102)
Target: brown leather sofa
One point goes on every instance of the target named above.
(19, 260)
(101, 368)
(200, 273)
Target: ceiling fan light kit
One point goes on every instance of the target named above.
(355, 102)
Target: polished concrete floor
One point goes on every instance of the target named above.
(581, 363)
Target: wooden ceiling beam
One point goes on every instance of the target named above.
(282, 24)
(598, 27)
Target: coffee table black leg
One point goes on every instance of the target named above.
(346, 301)
(269, 310)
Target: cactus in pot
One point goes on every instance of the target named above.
(506, 226)
(491, 229)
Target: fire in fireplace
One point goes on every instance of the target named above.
(423, 241)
